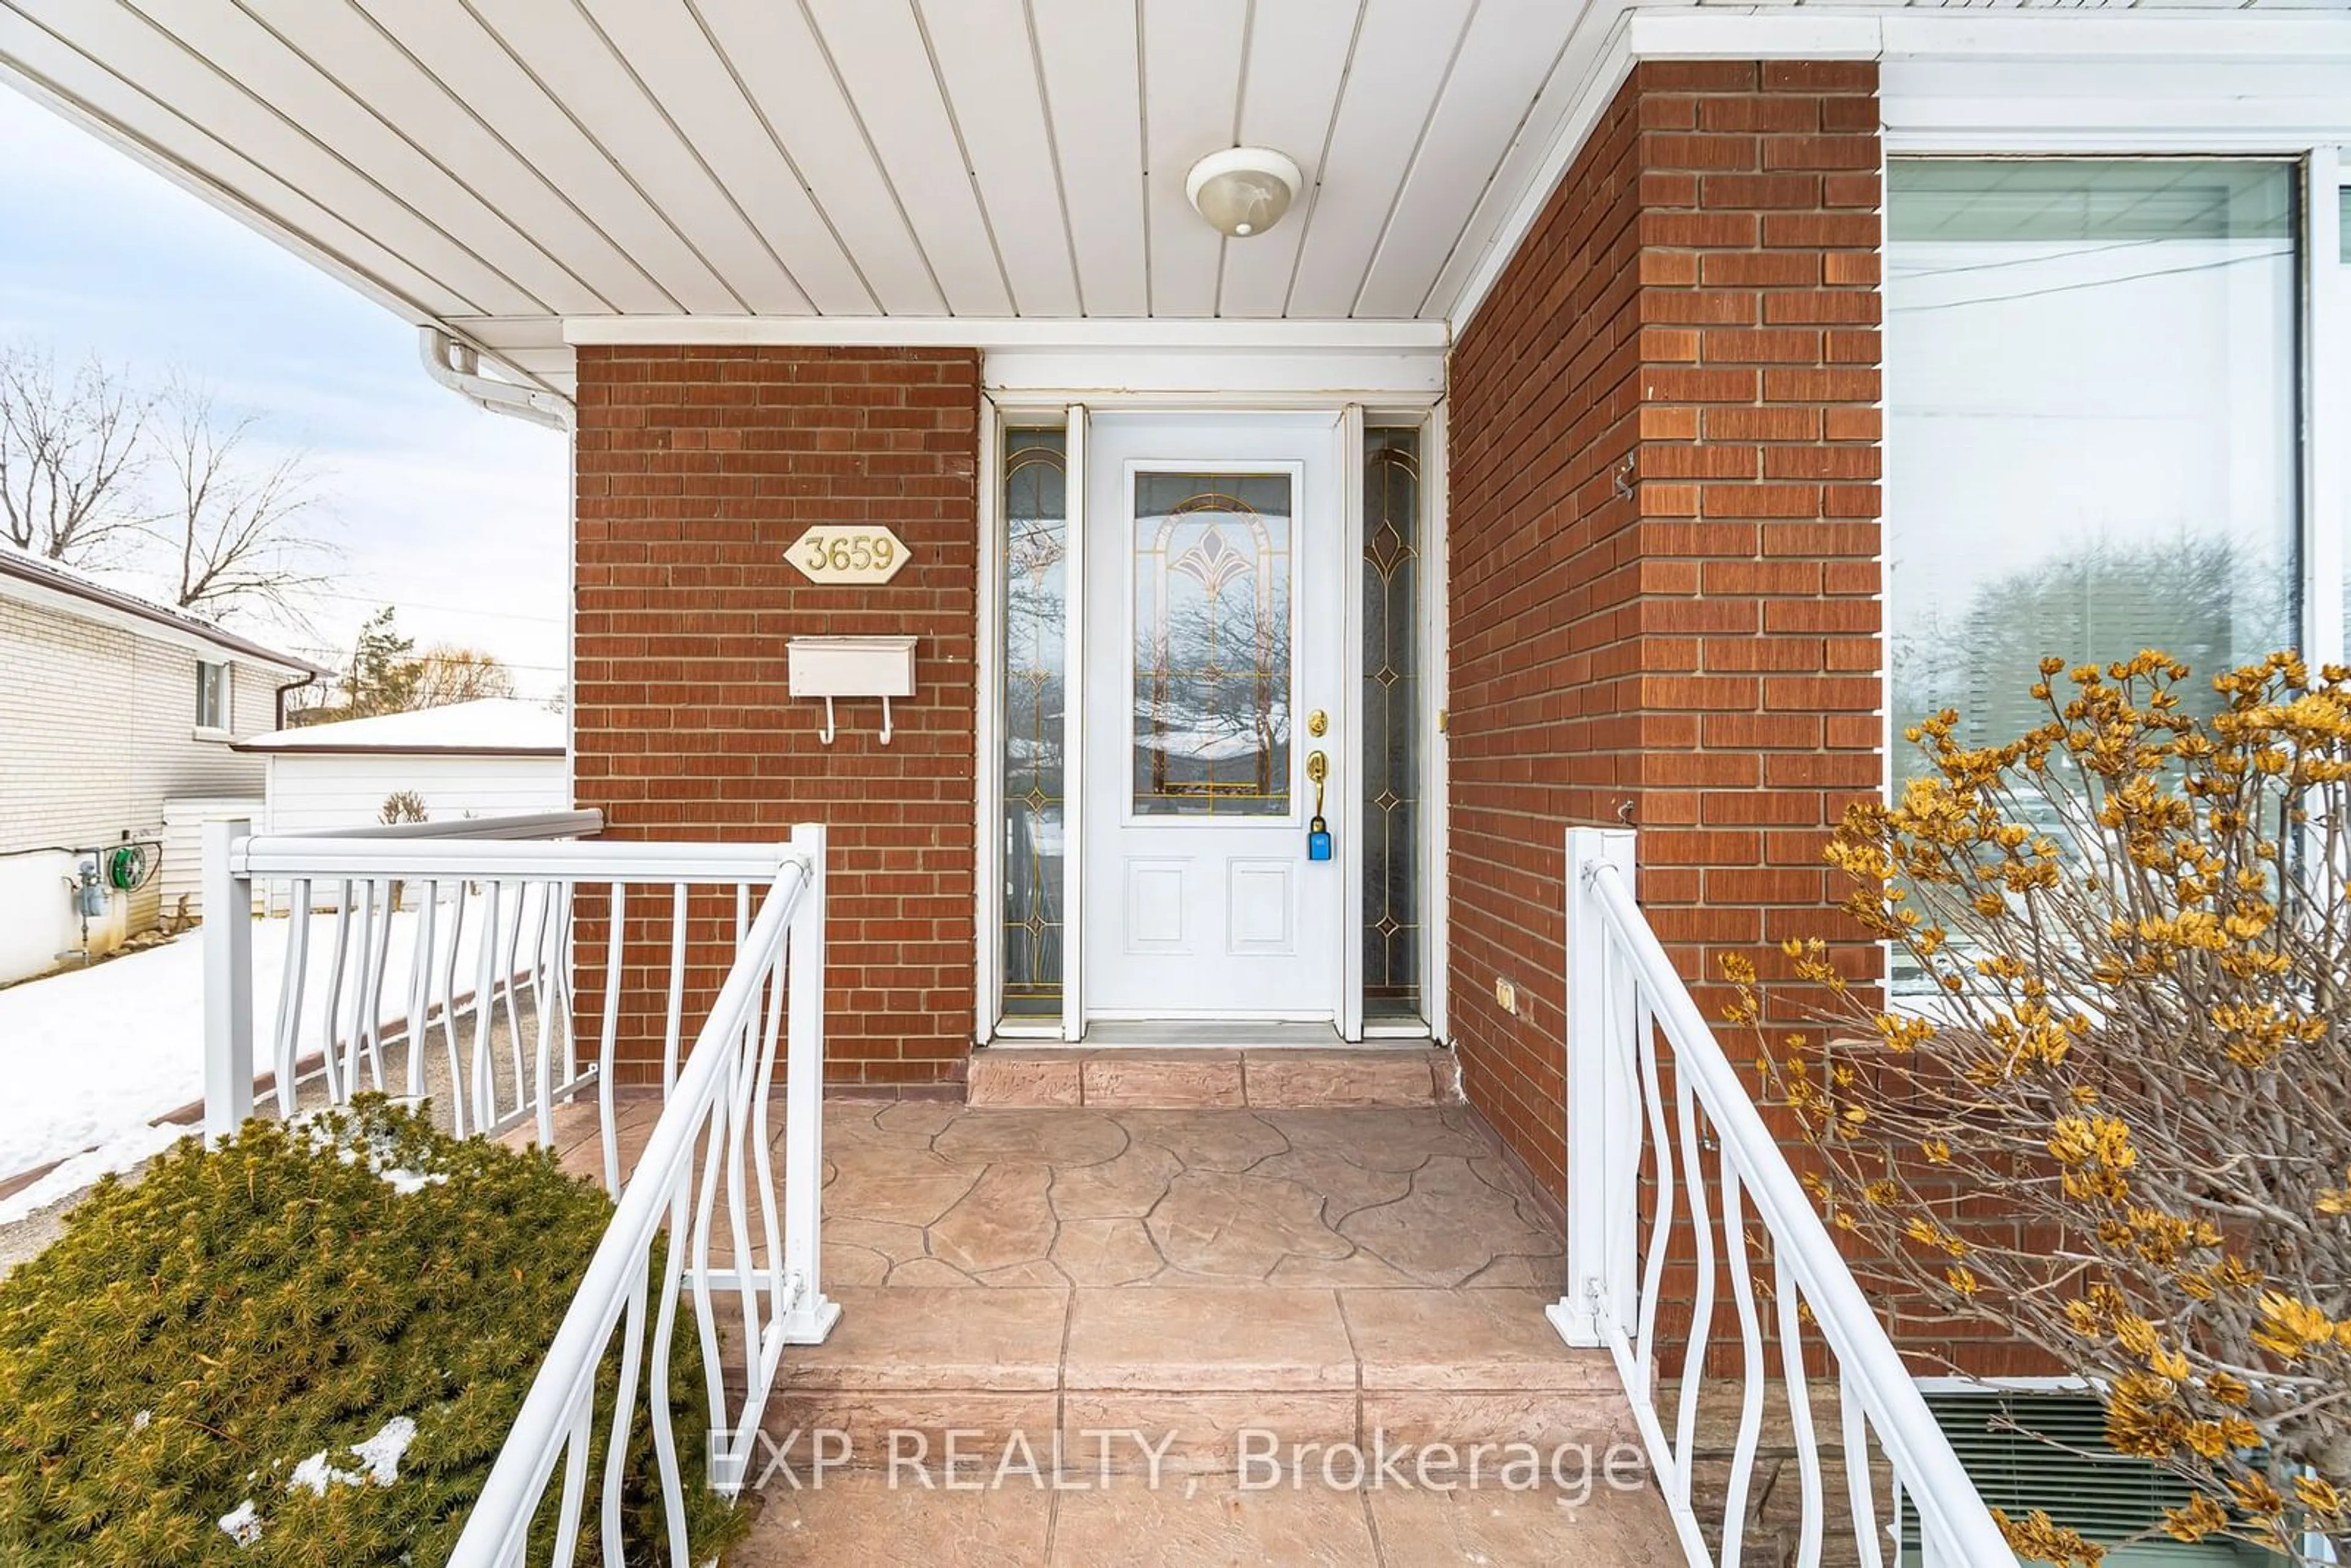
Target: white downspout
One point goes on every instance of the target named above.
(457, 367)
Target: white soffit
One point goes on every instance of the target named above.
(531, 174)
(501, 167)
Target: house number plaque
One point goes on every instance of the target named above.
(848, 552)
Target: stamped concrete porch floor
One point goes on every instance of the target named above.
(1204, 1286)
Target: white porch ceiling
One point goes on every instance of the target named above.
(499, 166)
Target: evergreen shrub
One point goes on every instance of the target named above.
(197, 1335)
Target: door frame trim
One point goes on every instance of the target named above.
(1073, 706)
(1001, 410)
(1348, 437)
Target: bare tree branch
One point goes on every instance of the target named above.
(447, 674)
(71, 457)
(2117, 1126)
(241, 525)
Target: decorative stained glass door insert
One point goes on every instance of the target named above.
(1211, 644)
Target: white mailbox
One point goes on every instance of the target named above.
(830, 667)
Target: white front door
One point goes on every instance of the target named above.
(1215, 567)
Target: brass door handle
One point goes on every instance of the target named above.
(1318, 766)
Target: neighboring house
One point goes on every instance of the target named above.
(114, 711)
(488, 758)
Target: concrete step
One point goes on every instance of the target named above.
(1194, 1380)
(1201, 1522)
(1189, 1425)
(1193, 1078)
(1091, 1334)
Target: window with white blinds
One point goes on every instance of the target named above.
(2092, 383)
(2341, 348)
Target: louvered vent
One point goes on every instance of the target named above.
(2049, 1451)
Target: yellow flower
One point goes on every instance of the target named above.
(2199, 1518)
(2041, 1539)
(2336, 1200)
(2255, 1494)
(2292, 1327)
(2318, 1495)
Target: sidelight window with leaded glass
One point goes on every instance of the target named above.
(1035, 627)
(1392, 575)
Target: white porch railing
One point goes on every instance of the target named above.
(400, 934)
(1647, 1080)
(708, 1173)
(713, 1129)
(492, 923)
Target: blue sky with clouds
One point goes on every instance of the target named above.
(455, 516)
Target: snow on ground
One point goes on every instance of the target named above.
(91, 1056)
(125, 1148)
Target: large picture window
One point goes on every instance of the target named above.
(2092, 400)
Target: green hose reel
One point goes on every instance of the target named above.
(128, 867)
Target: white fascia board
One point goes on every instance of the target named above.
(236, 205)
(1606, 74)
(1049, 376)
(234, 651)
(1718, 34)
(2235, 37)
(991, 332)
(2222, 40)
(13, 74)
(189, 179)
(2215, 37)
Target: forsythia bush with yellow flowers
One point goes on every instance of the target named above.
(2118, 1124)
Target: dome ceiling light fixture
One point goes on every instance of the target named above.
(1243, 190)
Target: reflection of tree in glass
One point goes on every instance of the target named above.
(1035, 655)
(1036, 613)
(1212, 691)
(2201, 597)
(2205, 598)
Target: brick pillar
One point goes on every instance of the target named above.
(695, 469)
(1664, 547)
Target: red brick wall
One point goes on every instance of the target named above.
(695, 469)
(1664, 547)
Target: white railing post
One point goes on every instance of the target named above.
(811, 1316)
(1603, 1108)
(228, 980)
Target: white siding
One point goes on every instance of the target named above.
(347, 790)
(98, 727)
(183, 847)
